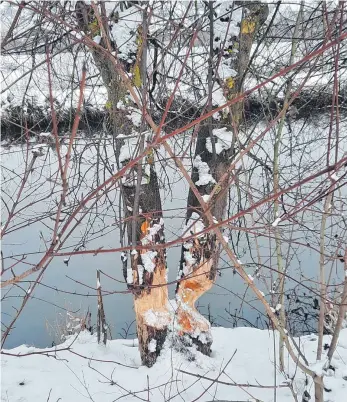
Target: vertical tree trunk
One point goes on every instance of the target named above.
(146, 276)
(199, 258)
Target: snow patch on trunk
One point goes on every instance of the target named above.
(129, 276)
(152, 346)
(223, 140)
(204, 172)
(276, 222)
(193, 226)
(148, 260)
(157, 319)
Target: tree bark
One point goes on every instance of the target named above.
(199, 258)
(146, 276)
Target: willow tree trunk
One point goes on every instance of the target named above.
(199, 257)
(146, 274)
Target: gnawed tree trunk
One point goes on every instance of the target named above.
(199, 257)
(146, 275)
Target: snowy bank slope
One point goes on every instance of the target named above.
(69, 377)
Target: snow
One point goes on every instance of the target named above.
(204, 172)
(276, 222)
(152, 231)
(193, 226)
(334, 177)
(206, 197)
(140, 271)
(156, 227)
(128, 149)
(157, 319)
(218, 99)
(71, 377)
(148, 260)
(318, 367)
(124, 31)
(271, 56)
(135, 116)
(129, 276)
(187, 245)
(98, 286)
(223, 140)
(37, 85)
(97, 39)
(40, 148)
(200, 326)
(189, 263)
(221, 28)
(250, 277)
(189, 258)
(152, 345)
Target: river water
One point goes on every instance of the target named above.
(45, 316)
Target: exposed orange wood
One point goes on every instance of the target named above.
(155, 298)
(145, 226)
(151, 300)
(191, 288)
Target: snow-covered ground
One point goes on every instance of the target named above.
(240, 356)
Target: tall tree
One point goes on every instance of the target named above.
(146, 273)
(214, 152)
